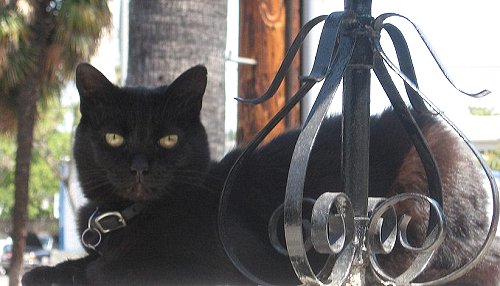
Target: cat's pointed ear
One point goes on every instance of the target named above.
(95, 91)
(189, 88)
(90, 81)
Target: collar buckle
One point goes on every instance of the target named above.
(109, 221)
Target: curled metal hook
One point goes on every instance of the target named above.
(385, 230)
(424, 254)
(379, 25)
(493, 187)
(406, 65)
(319, 69)
(297, 171)
(86, 238)
(330, 233)
(273, 229)
(411, 127)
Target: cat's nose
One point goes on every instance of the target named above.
(139, 164)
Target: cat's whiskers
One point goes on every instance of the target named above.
(94, 184)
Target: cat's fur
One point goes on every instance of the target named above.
(174, 239)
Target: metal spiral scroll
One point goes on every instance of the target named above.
(334, 229)
(376, 245)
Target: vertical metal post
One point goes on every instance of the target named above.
(356, 135)
(356, 116)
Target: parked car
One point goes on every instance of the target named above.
(4, 240)
(34, 255)
(47, 240)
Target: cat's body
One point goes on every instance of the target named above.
(147, 148)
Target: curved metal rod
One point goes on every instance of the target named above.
(494, 219)
(326, 51)
(406, 65)
(323, 224)
(320, 69)
(287, 61)
(233, 173)
(494, 189)
(297, 172)
(428, 245)
(379, 25)
(425, 253)
(416, 136)
(490, 236)
(272, 229)
(385, 242)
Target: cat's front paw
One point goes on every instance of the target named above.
(38, 276)
(46, 276)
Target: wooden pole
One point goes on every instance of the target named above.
(266, 27)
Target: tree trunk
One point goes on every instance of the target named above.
(266, 27)
(166, 37)
(27, 97)
(26, 123)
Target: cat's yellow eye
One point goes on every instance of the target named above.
(168, 141)
(114, 140)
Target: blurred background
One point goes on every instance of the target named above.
(241, 42)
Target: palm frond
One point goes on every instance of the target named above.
(78, 27)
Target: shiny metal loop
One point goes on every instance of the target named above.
(379, 25)
(403, 238)
(225, 195)
(89, 230)
(85, 236)
(287, 61)
(424, 253)
(272, 229)
(495, 200)
(385, 232)
(493, 186)
(233, 173)
(326, 47)
(406, 65)
(297, 171)
(415, 134)
(387, 227)
(230, 180)
(331, 232)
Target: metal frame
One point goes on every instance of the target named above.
(349, 49)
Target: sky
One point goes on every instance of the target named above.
(465, 40)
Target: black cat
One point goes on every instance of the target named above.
(143, 162)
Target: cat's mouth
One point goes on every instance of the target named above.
(139, 192)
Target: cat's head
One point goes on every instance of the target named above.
(138, 144)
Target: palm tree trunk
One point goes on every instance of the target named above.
(27, 97)
(166, 37)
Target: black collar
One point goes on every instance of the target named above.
(103, 223)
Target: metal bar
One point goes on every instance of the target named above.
(361, 7)
(356, 134)
(355, 138)
(356, 117)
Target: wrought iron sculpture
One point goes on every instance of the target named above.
(349, 48)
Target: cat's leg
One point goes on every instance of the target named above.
(71, 272)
